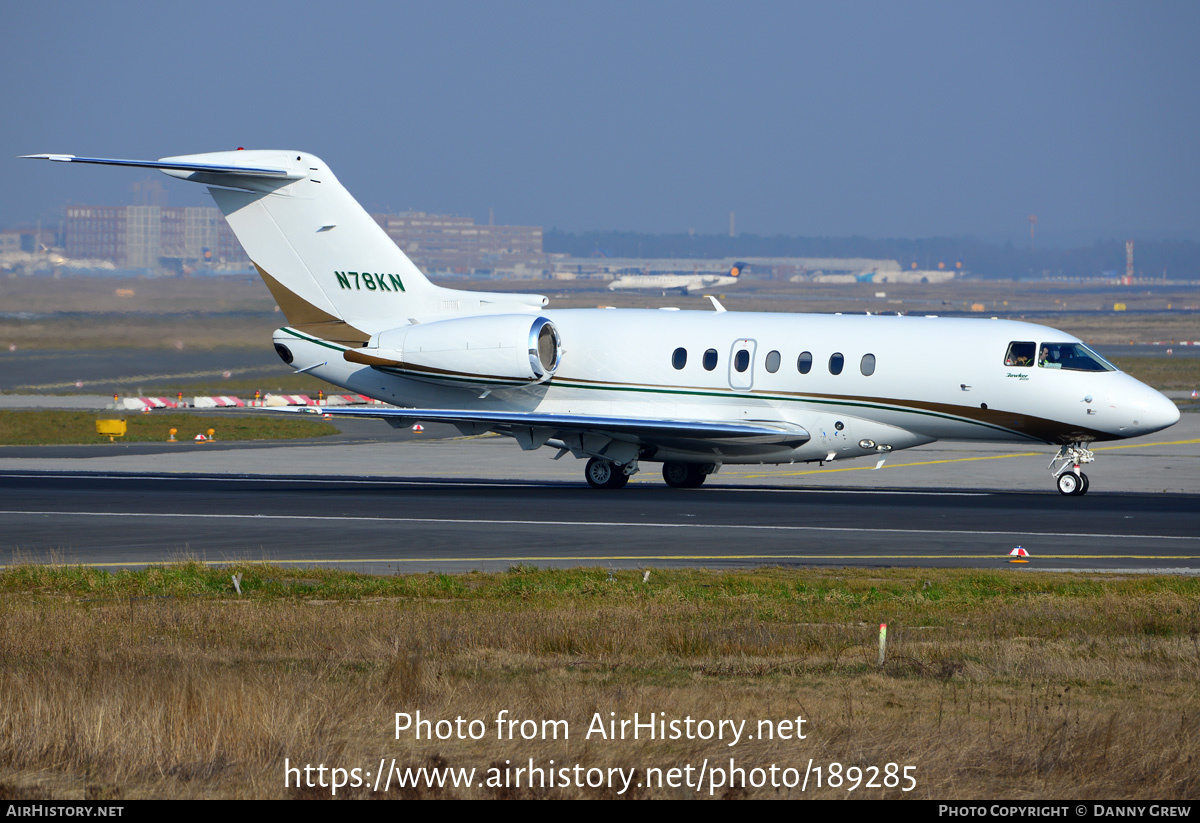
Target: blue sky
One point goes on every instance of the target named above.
(881, 119)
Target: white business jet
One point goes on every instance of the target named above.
(693, 390)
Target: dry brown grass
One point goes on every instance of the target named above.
(140, 295)
(138, 331)
(1163, 373)
(998, 685)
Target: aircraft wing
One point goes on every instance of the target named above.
(594, 434)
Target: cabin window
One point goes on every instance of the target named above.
(710, 359)
(1072, 357)
(836, 361)
(867, 366)
(1020, 354)
(679, 358)
(804, 362)
(741, 360)
(773, 362)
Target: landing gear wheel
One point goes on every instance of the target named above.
(684, 475)
(1066, 464)
(604, 474)
(1072, 484)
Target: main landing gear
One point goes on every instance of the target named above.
(685, 475)
(1068, 477)
(605, 474)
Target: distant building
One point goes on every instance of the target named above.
(26, 239)
(153, 237)
(10, 242)
(442, 243)
(168, 239)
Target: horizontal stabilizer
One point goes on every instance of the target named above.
(168, 164)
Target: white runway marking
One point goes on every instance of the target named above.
(303, 518)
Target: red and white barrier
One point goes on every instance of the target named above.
(346, 400)
(218, 402)
(288, 400)
(142, 403)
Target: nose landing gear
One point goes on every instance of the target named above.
(1072, 483)
(1068, 477)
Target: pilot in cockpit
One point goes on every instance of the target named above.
(1047, 361)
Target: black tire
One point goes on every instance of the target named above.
(676, 474)
(684, 475)
(604, 474)
(1069, 484)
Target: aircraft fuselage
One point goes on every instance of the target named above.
(902, 381)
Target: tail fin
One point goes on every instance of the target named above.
(737, 269)
(331, 268)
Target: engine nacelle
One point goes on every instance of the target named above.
(484, 348)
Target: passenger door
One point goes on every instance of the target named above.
(741, 364)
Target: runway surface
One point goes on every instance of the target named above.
(453, 504)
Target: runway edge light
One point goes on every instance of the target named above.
(1018, 555)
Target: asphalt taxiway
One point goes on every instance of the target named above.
(382, 501)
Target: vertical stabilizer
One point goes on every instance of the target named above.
(331, 268)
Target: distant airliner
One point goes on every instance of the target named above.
(692, 390)
(683, 283)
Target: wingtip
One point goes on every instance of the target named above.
(62, 158)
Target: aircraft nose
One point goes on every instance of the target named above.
(1158, 412)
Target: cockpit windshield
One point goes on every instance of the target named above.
(1072, 357)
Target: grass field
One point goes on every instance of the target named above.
(1163, 373)
(45, 427)
(1001, 684)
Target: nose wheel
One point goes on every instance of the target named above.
(1070, 480)
(1073, 484)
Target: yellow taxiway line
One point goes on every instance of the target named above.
(959, 460)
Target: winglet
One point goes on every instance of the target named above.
(716, 303)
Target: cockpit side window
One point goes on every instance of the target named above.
(1020, 354)
(1072, 357)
